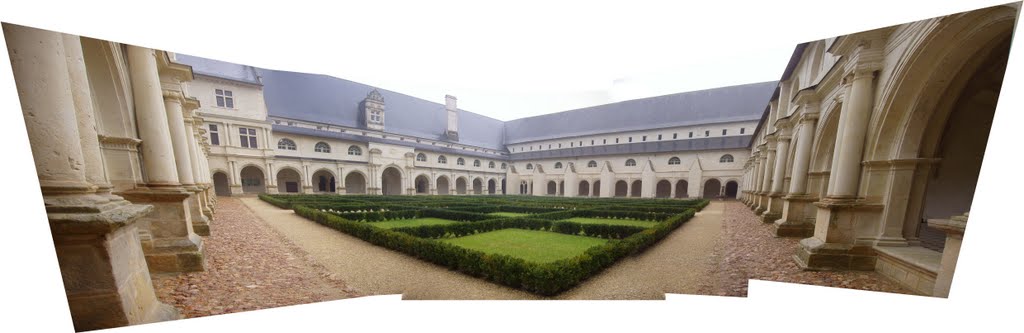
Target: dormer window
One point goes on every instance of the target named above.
(225, 98)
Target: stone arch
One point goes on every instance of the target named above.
(443, 185)
(552, 188)
(323, 181)
(253, 179)
(478, 186)
(731, 189)
(712, 188)
(460, 185)
(355, 182)
(583, 189)
(597, 189)
(621, 188)
(492, 186)
(635, 189)
(221, 183)
(663, 189)
(422, 184)
(391, 181)
(682, 189)
(289, 180)
(504, 189)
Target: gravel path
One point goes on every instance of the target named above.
(674, 265)
(749, 250)
(249, 266)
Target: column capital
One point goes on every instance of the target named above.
(174, 96)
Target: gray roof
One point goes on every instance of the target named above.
(725, 142)
(282, 129)
(219, 69)
(718, 105)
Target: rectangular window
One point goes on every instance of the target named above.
(724, 131)
(214, 135)
(559, 145)
(691, 134)
(659, 137)
(571, 144)
(224, 98)
(707, 133)
(675, 135)
(630, 139)
(616, 140)
(742, 130)
(247, 137)
(604, 141)
(644, 138)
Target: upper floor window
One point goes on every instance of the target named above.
(558, 165)
(490, 165)
(529, 166)
(726, 159)
(742, 130)
(592, 164)
(673, 161)
(460, 161)
(675, 135)
(644, 138)
(225, 99)
(376, 116)
(630, 139)
(707, 133)
(725, 131)
(504, 166)
(691, 134)
(214, 135)
(630, 162)
(323, 147)
(355, 151)
(421, 157)
(476, 163)
(247, 137)
(441, 159)
(659, 137)
(286, 144)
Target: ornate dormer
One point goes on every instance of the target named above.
(452, 110)
(373, 111)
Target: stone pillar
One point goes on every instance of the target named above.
(95, 235)
(834, 244)
(200, 213)
(766, 180)
(173, 101)
(607, 181)
(758, 178)
(795, 221)
(647, 181)
(174, 247)
(773, 210)
(954, 229)
(572, 184)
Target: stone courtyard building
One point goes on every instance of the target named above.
(868, 148)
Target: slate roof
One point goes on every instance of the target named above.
(718, 105)
(220, 69)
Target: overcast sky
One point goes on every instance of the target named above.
(507, 60)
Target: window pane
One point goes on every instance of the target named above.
(252, 131)
(230, 102)
(227, 93)
(220, 101)
(243, 141)
(252, 142)
(213, 128)
(241, 130)
(214, 139)
(219, 92)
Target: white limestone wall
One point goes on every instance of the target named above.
(248, 98)
(675, 133)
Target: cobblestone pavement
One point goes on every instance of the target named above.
(249, 266)
(748, 249)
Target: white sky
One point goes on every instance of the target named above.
(507, 61)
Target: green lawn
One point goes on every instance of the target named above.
(507, 214)
(411, 222)
(592, 220)
(536, 246)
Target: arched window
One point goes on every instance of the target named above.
(460, 161)
(630, 162)
(490, 165)
(421, 157)
(286, 144)
(476, 163)
(529, 166)
(504, 166)
(355, 151)
(323, 147)
(441, 159)
(726, 159)
(592, 164)
(558, 165)
(673, 161)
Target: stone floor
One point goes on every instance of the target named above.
(749, 250)
(249, 266)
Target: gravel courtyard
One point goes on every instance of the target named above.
(260, 256)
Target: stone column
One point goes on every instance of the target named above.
(648, 182)
(758, 178)
(607, 181)
(173, 101)
(773, 210)
(856, 125)
(795, 220)
(572, 184)
(200, 214)
(766, 180)
(954, 229)
(95, 236)
(175, 247)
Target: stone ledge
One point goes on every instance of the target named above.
(96, 223)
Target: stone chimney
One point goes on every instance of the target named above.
(453, 117)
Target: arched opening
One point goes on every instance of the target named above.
(323, 181)
(561, 188)
(597, 189)
(552, 188)
(492, 187)
(288, 181)
(663, 189)
(221, 185)
(355, 183)
(422, 184)
(391, 181)
(712, 189)
(731, 189)
(252, 180)
(442, 185)
(523, 187)
(460, 185)
(584, 189)
(478, 186)
(681, 189)
(621, 188)
(634, 191)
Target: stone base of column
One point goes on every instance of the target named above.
(175, 246)
(307, 190)
(102, 264)
(773, 211)
(236, 190)
(816, 255)
(375, 190)
(760, 203)
(795, 220)
(200, 223)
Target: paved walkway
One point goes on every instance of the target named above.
(677, 264)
